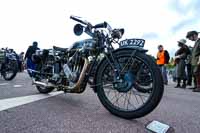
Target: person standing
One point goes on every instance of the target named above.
(193, 36)
(163, 59)
(180, 61)
(28, 57)
(21, 60)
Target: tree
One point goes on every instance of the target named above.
(171, 64)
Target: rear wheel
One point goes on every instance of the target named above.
(42, 89)
(124, 99)
(43, 78)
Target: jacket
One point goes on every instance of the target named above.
(196, 53)
(31, 50)
(162, 57)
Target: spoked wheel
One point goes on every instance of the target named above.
(144, 79)
(10, 70)
(138, 90)
(43, 79)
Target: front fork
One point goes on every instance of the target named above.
(116, 66)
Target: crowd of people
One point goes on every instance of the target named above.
(187, 62)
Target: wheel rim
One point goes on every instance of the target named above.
(8, 74)
(9, 71)
(135, 98)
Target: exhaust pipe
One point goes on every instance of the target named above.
(41, 84)
(77, 87)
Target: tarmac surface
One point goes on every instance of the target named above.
(83, 113)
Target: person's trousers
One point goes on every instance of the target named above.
(30, 67)
(196, 72)
(189, 74)
(163, 70)
(198, 81)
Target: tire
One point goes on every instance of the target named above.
(154, 98)
(44, 90)
(42, 78)
(14, 70)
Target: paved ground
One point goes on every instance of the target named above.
(83, 113)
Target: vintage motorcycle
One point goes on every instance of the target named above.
(126, 80)
(8, 63)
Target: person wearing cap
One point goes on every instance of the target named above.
(162, 59)
(193, 36)
(28, 57)
(180, 61)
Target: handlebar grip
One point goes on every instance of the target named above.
(78, 20)
(101, 25)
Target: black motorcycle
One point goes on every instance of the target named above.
(126, 80)
(8, 63)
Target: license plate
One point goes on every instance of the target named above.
(132, 43)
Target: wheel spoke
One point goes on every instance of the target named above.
(129, 102)
(134, 98)
(118, 98)
(123, 69)
(141, 99)
(139, 94)
(125, 100)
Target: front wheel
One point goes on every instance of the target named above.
(123, 98)
(10, 70)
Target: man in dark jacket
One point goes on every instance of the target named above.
(28, 57)
(193, 36)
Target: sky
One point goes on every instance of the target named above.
(47, 21)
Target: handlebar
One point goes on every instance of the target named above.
(89, 26)
(101, 25)
(78, 20)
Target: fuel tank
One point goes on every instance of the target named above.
(87, 44)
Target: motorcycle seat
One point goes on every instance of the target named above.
(60, 49)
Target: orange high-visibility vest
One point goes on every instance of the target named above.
(161, 58)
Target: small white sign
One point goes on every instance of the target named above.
(158, 127)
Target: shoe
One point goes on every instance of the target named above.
(183, 86)
(178, 83)
(192, 88)
(196, 90)
(177, 86)
(198, 84)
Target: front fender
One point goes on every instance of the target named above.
(139, 49)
